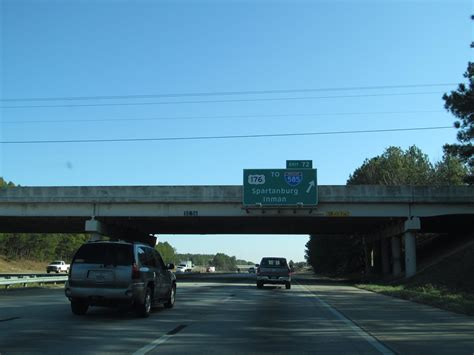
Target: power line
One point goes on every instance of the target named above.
(222, 117)
(219, 93)
(224, 137)
(220, 101)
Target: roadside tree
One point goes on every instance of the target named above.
(461, 104)
(168, 253)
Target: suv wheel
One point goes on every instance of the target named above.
(170, 302)
(79, 307)
(288, 285)
(144, 309)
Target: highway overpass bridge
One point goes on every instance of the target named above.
(389, 214)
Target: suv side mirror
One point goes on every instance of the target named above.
(170, 266)
(257, 265)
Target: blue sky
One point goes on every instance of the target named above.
(58, 49)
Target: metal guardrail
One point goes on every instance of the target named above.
(8, 280)
(29, 275)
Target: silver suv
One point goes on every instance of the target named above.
(111, 273)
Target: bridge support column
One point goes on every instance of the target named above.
(396, 252)
(98, 230)
(93, 237)
(384, 256)
(411, 226)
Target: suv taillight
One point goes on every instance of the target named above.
(135, 271)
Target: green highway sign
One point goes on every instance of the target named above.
(299, 164)
(280, 187)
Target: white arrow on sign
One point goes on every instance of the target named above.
(311, 184)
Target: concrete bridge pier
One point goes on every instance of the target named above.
(403, 229)
(98, 229)
(385, 257)
(396, 252)
(93, 237)
(95, 229)
(411, 226)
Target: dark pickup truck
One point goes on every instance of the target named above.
(272, 270)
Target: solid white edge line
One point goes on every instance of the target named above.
(369, 338)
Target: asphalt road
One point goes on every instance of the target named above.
(229, 315)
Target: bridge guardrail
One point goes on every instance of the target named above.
(7, 280)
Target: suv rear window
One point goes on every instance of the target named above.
(107, 254)
(275, 262)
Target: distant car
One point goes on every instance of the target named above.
(57, 266)
(180, 269)
(111, 273)
(211, 269)
(273, 270)
(251, 270)
(184, 266)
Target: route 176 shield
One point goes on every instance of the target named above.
(293, 178)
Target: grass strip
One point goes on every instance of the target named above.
(436, 296)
